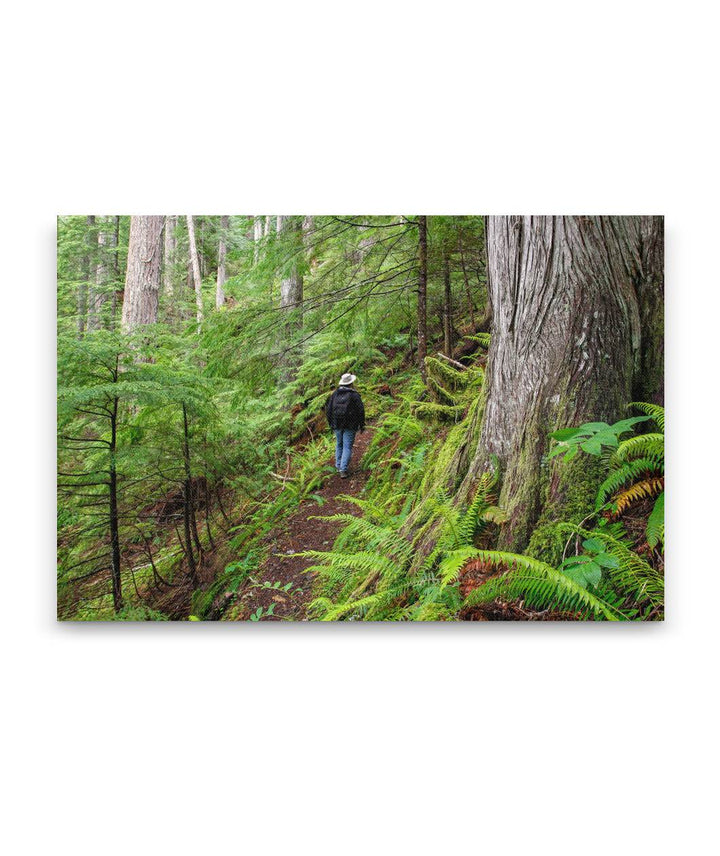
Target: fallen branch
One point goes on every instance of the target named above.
(451, 361)
(282, 478)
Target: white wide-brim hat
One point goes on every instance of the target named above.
(347, 379)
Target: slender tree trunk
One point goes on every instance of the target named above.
(447, 307)
(195, 267)
(468, 290)
(291, 289)
(81, 308)
(169, 252)
(208, 497)
(257, 237)
(279, 223)
(576, 305)
(114, 516)
(222, 251)
(422, 296)
(188, 500)
(142, 279)
(97, 294)
(115, 243)
(308, 227)
(267, 226)
(84, 285)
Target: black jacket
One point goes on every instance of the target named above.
(351, 409)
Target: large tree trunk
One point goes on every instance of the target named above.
(142, 279)
(577, 316)
(422, 296)
(222, 251)
(195, 267)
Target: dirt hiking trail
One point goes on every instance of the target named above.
(300, 532)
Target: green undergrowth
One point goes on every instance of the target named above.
(403, 558)
(375, 570)
(577, 568)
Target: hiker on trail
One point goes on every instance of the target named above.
(346, 416)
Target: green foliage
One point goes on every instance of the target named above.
(481, 338)
(656, 523)
(636, 466)
(586, 568)
(138, 613)
(438, 412)
(372, 572)
(262, 612)
(540, 586)
(592, 437)
(225, 423)
(626, 473)
(656, 412)
(604, 578)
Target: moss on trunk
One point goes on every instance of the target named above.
(577, 329)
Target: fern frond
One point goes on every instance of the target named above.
(634, 578)
(471, 519)
(642, 446)
(453, 563)
(360, 608)
(540, 585)
(655, 531)
(655, 411)
(364, 561)
(481, 338)
(369, 507)
(630, 471)
(371, 535)
(647, 488)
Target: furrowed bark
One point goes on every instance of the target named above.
(142, 278)
(576, 305)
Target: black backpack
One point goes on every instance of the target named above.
(340, 405)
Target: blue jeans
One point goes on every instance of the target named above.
(343, 448)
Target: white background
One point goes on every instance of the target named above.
(359, 739)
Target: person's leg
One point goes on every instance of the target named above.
(348, 439)
(338, 448)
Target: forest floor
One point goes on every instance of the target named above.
(302, 531)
